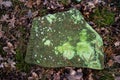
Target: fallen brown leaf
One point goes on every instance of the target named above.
(110, 63)
(4, 17)
(1, 1)
(108, 51)
(9, 48)
(34, 75)
(29, 3)
(22, 0)
(12, 21)
(38, 2)
(6, 3)
(117, 58)
(35, 14)
(117, 43)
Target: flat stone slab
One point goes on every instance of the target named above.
(64, 39)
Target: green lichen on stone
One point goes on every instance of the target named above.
(67, 50)
(83, 35)
(50, 18)
(64, 39)
(82, 48)
(47, 42)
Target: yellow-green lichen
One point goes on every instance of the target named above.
(76, 18)
(36, 29)
(50, 18)
(67, 50)
(47, 43)
(84, 50)
(83, 35)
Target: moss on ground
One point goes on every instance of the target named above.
(20, 63)
(64, 2)
(102, 17)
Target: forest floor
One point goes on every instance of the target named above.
(15, 23)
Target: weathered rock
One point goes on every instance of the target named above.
(64, 39)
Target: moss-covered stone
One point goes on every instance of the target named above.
(64, 39)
